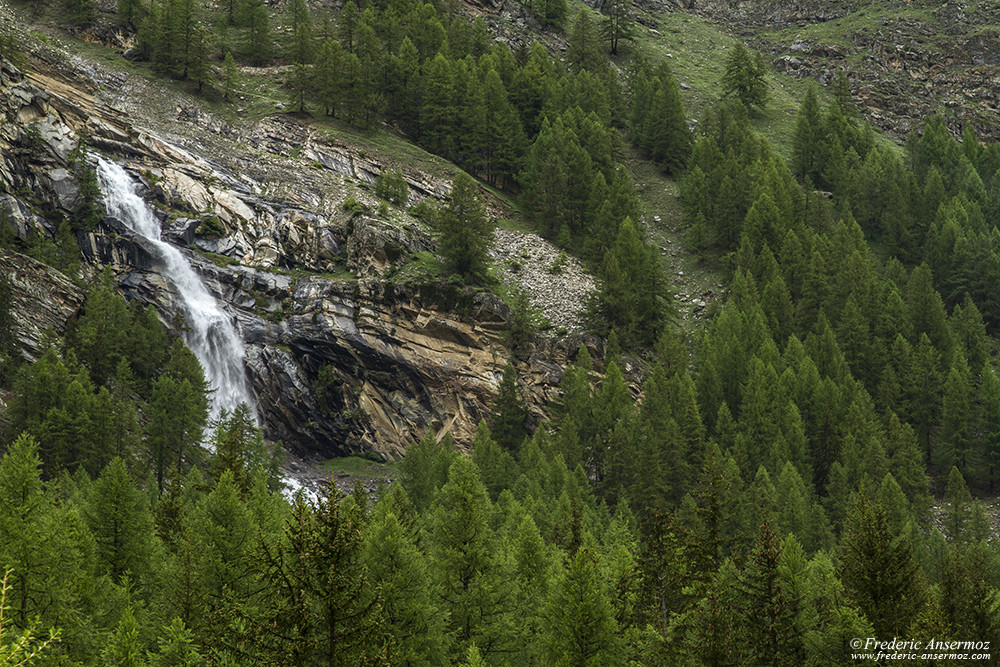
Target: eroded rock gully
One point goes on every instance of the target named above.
(311, 285)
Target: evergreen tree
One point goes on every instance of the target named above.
(767, 610)
(258, 45)
(9, 345)
(582, 49)
(240, 448)
(630, 297)
(101, 335)
(956, 493)
(617, 24)
(27, 562)
(54, 403)
(808, 142)
(502, 137)
(175, 648)
(744, 77)
(496, 466)
(581, 628)
(320, 607)
(410, 599)
(878, 570)
(466, 231)
(469, 565)
(125, 648)
(424, 470)
(665, 133)
(230, 75)
(122, 524)
(957, 417)
(81, 13)
(510, 417)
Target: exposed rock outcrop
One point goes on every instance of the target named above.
(346, 351)
(41, 298)
(904, 59)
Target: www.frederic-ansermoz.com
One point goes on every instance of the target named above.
(871, 648)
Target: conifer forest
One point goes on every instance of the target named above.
(767, 434)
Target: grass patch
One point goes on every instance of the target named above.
(356, 466)
(388, 148)
(422, 267)
(868, 18)
(221, 261)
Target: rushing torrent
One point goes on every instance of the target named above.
(210, 332)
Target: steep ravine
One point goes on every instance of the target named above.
(312, 285)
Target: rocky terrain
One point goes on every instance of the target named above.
(556, 284)
(261, 211)
(904, 58)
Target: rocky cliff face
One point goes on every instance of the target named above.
(347, 349)
(904, 58)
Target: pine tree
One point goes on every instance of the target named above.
(424, 470)
(957, 417)
(411, 604)
(330, 77)
(320, 607)
(240, 448)
(101, 335)
(496, 466)
(21, 524)
(878, 570)
(989, 428)
(959, 500)
(808, 142)
(969, 601)
(466, 231)
(300, 45)
(744, 77)
(230, 75)
(125, 648)
(581, 628)
(258, 45)
(617, 24)
(767, 610)
(9, 344)
(582, 49)
(122, 524)
(81, 13)
(469, 564)
(510, 417)
(665, 133)
(439, 114)
(503, 141)
(347, 24)
(198, 69)
(629, 299)
(175, 648)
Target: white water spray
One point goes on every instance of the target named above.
(210, 332)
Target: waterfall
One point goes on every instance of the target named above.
(210, 333)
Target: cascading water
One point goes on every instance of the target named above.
(210, 333)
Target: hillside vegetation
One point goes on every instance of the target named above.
(803, 451)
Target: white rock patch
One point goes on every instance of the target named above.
(526, 260)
